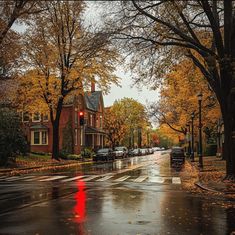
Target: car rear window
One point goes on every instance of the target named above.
(177, 150)
(102, 150)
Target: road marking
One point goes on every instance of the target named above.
(91, 177)
(105, 178)
(37, 178)
(12, 178)
(73, 178)
(159, 180)
(176, 180)
(26, 178)
(53, 178)
(140, 179)
(122, 178)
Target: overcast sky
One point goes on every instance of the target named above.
(143, 95)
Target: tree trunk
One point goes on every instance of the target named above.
(229, 134)
(55, 141)
(55, 125)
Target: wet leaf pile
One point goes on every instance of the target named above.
(211, 176)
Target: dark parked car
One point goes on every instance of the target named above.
(104, 154)
(177, 156)
(150, 150)
(120, 152)
(134, 152)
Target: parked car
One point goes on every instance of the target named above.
(104, 154)
(150, 150)
(177, 156)
(134, 152)
(120, 152)
(156, 149)
(143, 151)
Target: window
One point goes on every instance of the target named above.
(45, 117)
(101, 121)
(39, 137)
(44, 137)
(76, 137)
(91, 120)
(36, 137)
(75, 117)
(36, 117)
(25, 117)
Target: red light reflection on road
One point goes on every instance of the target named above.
(80, 207)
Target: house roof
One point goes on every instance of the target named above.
(92, 100)
(92, 130)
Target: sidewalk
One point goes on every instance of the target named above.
(37, 166)
(210, 178)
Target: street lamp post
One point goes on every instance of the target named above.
(200, 130)
(189, 140)
(192, 150)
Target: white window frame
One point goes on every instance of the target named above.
(23, 116)
(101, 121)
(40, 137)
(91, 119)
(98, 140)
(82, 137)
(47, 119)
(75, 117)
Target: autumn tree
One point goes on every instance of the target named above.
(16, 10)
(10, 51)
(177, 102)
(159, 33)
(127, 116)
(115, 127)
(60, 58)
(12, 12)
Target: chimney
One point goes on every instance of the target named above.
(92, 85)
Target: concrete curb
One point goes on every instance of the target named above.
(200, 185)
(9, 171)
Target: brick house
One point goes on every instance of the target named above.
(38, 128)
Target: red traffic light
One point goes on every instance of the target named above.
(81, 118)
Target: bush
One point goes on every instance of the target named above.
(12, 139)
(63, 154)
(87, 153)
(73, 157)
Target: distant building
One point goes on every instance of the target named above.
(72, 135)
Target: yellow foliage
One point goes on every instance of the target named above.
(179, 98)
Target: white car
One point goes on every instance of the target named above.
(120, 152)
(143, 151)
(156, 149)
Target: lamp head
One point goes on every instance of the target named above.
(199, 96)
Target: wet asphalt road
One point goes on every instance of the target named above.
(139, 195)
